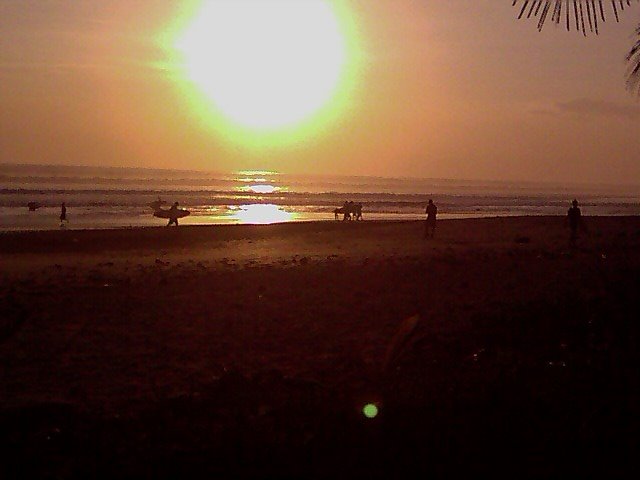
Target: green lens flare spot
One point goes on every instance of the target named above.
(370, 410)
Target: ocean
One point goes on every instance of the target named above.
(110, 197)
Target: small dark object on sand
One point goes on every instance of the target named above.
(523, 240)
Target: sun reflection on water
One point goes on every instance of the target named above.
(251, 179)
(250, 173)
(260, 213)
(262, 188)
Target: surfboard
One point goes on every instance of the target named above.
(180, 213)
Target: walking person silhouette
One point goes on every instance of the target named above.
(173, 214)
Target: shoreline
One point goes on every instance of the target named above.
(128, 238)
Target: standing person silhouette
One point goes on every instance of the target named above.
(346, 211)
(173, 214)
(63, 215)
(574, 217)
(430, 225)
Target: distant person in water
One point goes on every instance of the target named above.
(173, 214)
(63, 215)
(574, 218)
(430, 225)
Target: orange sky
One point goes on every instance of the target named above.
(453, 89)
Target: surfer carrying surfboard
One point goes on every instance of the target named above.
(173, 214)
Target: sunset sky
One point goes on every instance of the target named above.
(428, 88)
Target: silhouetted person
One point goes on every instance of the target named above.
(63, 214)
(357, 211)
(346, 211)
(173, 214)
(352, 210)
(574, 217)
(430, 224)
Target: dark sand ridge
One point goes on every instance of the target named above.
(251, 349)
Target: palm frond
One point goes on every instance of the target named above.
(583, 15)
(633, 57)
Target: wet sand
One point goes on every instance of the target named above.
(249, 351)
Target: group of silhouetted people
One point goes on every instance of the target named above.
(353, 211)
(173, 215)
(350, 211)
(574, 219)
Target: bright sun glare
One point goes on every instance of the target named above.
(260, 213)
(265, 64)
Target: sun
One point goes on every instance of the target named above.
(265, 64)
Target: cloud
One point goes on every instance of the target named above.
(584, 106)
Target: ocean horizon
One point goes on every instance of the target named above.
(116, 197)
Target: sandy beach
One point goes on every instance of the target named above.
(250, 351)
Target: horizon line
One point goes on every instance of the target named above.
(275, 172)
